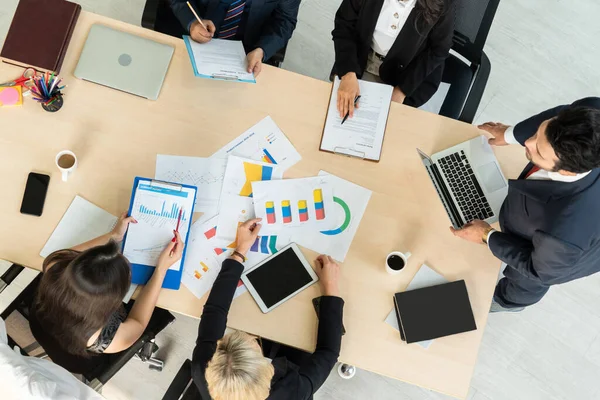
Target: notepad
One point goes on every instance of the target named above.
(82, 222)
(362, 135)
(219, 59)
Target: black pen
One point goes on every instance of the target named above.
(348, 113)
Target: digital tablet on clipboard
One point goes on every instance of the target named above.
(362, 135)
(159, 207)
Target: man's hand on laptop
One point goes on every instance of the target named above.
(475, 231)
(497, 130)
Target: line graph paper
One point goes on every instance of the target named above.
(204, 173)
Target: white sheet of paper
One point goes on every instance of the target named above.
(425, 277)
(434, 104)
(263, 142)
(234, 209)
(220, 59)
(362, 135)
(291, 203)
(82, 222)
(204, 173)
(350, 204)
(201, 266)
(156, 208)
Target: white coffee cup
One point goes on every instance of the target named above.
(397, 260)
(66, 161)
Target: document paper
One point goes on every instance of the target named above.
(219, 59)
(362, 135)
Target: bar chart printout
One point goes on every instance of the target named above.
(156, 207)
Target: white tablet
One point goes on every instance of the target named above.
(279, 278)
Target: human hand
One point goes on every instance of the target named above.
(171, 254)
(201, 35)
(118, 232)
(347, 92)
(328, 272)
(247, 234)
(397, 95)
(255, 58)
(497, 130)
(474, 231)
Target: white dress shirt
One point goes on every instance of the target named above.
(392, 18)
(542, 174)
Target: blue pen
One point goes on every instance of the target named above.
(44, 88)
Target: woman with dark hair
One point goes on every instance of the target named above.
(402, 43)
(79, 299)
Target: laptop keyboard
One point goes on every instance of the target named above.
(464, 187)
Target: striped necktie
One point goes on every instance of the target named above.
(232, 20)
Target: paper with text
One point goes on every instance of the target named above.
(219, 59)
(362, 135)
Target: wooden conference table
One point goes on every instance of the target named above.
(116, 137)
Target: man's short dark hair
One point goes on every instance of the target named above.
(575, 137)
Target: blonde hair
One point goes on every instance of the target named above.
(238, 370)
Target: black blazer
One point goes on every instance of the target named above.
(290, 382)
(415, 56)
(270, 23)
(550, 230)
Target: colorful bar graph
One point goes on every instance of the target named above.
(270, 206)
(286, 211)
(267, 157)
(254, 173)
(172, 213)
(209, 234)
(204, 267)
(319, 210)
(303, 210)
(264, 244)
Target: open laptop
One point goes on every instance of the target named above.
(468, 180)
(124, 61)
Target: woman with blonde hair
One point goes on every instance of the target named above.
(232, 367)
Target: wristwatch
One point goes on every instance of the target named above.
(486, 234)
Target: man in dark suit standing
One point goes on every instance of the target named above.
(264, 26)
(550, 219)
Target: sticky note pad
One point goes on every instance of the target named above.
(11, 96)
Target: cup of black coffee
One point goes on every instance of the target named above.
(396, 261)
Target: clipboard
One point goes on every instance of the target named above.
(141, 273)
(219, 77)
(345, 151)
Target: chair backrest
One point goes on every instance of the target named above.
(472, 25)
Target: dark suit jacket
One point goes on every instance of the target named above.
(270, 23)
(415, 57)
(290, 382)
(550, 230)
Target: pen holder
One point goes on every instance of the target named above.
(55, 104)
(46, 90)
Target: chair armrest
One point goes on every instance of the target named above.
(180, 383)
(150, 14)
(476, 93)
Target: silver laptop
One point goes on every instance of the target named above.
(124, 61)
(468, 180)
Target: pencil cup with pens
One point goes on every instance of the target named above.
(46, 90)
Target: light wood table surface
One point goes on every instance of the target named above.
(117, 136)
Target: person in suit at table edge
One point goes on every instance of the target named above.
(550, 219)
(403, 43)
(232, 367)
(264, 26)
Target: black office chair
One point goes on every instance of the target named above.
(467, 81)
(96, 370)
(157, 16)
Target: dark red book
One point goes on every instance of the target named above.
(40, 33)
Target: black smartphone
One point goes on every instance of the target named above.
(317, 305)
(35, 194)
